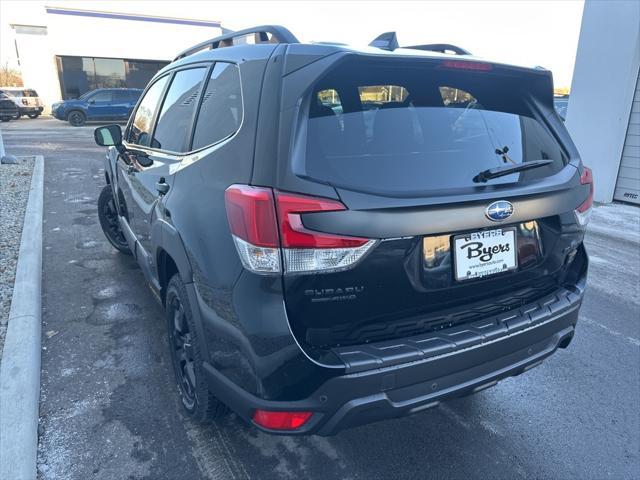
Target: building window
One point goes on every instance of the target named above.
(79, 75)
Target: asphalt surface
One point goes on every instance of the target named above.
(109, 409)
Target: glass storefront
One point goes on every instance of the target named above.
(79, 75)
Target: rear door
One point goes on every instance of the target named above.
(99, 105)
(154, 165)
(120, 104)
(401, 145)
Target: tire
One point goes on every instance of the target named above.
(33, 115)
(17, 116)
(76, 118)
(5, 119)
(108, 216)
(187, 358)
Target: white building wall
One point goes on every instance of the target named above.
(37, 63)
(78, 34)
(137, 39)
(603, 85)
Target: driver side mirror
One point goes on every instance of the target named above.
(109, 136)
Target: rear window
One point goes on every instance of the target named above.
(413, 129)
(29, 93)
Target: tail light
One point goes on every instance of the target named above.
(281, 420)
(25, 101)
(583, 212)
(265, 226)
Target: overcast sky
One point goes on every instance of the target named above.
(538, 32)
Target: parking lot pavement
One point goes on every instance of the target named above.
(109, 408)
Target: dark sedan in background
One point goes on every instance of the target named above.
(113, 104)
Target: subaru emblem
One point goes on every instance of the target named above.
(499, 211)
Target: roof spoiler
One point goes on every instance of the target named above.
(262, 34)
(389, 41)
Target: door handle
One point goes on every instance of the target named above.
(162, 186)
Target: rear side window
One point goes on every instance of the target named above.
(421, 128)
(102, 96)
(174, 121)
(120, 96)
(140, 131)
(221, 111)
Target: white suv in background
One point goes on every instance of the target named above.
(26, 99)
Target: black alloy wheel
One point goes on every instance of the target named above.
(187, 357)
(77, 118)
(182, 353)
(108, 216)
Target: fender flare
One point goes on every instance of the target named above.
(166, 237)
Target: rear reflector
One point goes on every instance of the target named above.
(266, 226)
(281, 420)
(584, 210)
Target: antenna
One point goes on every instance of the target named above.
(386, 41)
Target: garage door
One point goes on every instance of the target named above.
(628, 184)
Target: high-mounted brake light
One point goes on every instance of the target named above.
(281, 420)
(466, 65)
(265, 226)
(583, 212)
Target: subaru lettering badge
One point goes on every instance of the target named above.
(499, 211)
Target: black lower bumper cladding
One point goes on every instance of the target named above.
(400, 377)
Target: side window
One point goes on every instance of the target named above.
(140, 131)
(174, 122)
(120, 96)
(221, 111)
(102, 96)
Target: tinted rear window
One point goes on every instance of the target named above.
(422, 128)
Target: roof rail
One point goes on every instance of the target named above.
(278, 35)
(441, 47)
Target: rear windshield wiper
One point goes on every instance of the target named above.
(485, 175)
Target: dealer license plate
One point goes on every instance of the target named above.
(489, 252)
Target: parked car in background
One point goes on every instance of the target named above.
(102, 104)
(8, 108)
(26, 100)
(561, 102)
(344, 235)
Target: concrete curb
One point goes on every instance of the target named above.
(20, 369)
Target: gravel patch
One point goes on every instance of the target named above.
(15, 181)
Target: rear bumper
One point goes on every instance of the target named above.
(385, 380)
(30, 109)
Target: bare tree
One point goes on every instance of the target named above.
(10, 77)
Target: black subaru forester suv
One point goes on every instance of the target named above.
(344, 235)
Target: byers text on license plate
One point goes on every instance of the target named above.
(479, 254)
